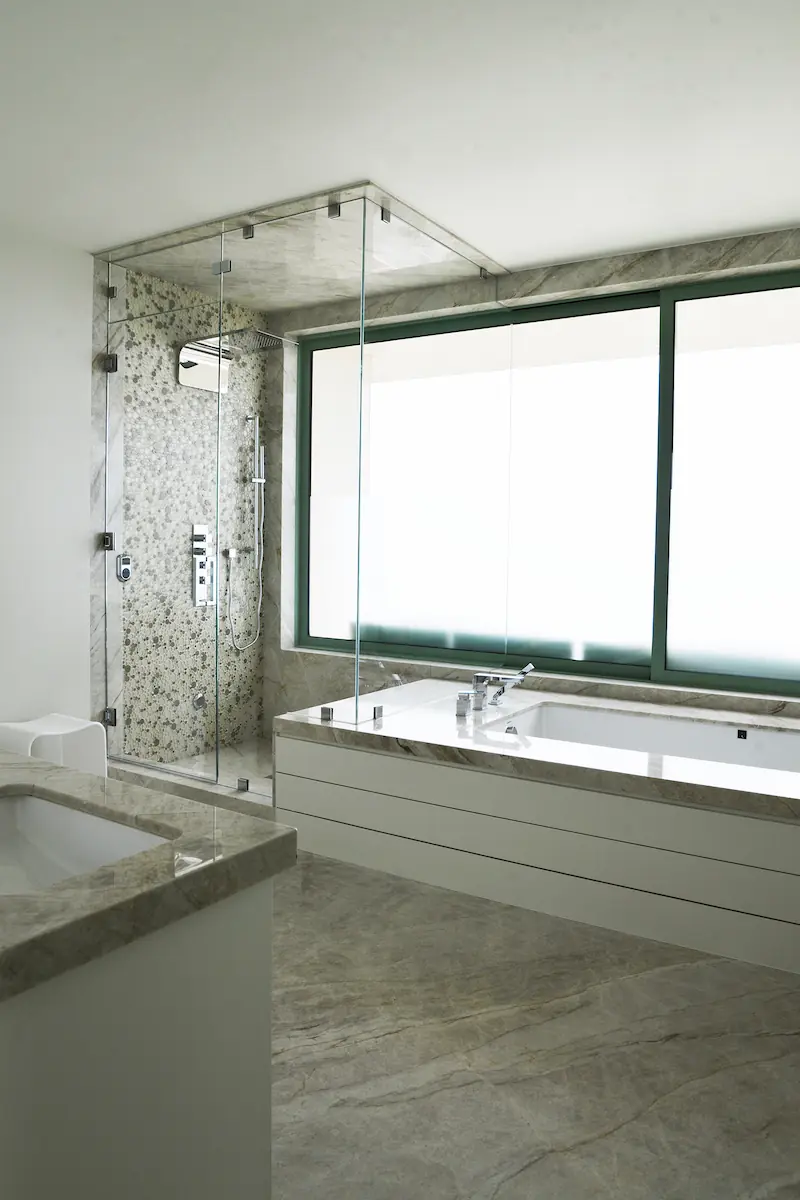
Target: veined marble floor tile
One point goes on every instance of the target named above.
(251, 759)
(434, 1045)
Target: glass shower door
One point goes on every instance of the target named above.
(162, 483)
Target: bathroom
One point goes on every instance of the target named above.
(399, 680)
(425, 685)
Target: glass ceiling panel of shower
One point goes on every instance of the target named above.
(312, 258)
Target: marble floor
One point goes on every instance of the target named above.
(429, 1044)
(251, 759)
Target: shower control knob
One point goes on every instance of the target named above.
(124, 568)
(203, 568)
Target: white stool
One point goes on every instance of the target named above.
(65, 741)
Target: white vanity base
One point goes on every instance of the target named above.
(145, 1075)
(714, 881)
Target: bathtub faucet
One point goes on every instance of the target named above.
(482, 680)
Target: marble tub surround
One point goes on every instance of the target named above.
(431, 1044)
(657, 694)
(211, 853)
(303, 675)
(419, 722)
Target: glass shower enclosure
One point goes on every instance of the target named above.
(196, 377)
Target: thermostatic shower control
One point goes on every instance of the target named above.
(123, 567)
(203, 563)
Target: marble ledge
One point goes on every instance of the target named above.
(209, 853)
(671, 265)
(428, 732)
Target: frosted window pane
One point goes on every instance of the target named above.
(734, 585)
(333, 505)
(584, 424)
(435, 501)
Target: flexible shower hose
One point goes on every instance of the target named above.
(259, 552)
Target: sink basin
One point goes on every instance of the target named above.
(42, 843)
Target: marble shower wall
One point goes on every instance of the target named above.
(162, 480)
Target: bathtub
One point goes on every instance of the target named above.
(697, 737)
(641, 818)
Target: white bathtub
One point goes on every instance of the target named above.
(625, 816)
(718, 741)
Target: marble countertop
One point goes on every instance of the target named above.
(209, 853)
(419, 722)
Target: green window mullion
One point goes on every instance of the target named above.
(303, 502)
(666, 398)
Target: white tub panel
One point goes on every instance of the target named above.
(707, 881)
(774, 845)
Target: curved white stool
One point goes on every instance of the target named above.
(65, 741)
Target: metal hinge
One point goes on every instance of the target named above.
(334, 208)
(107, 540)
(110, 717)
(248, 231)
(111, 363)
(111, 292)
(386, 215)
(222, 268)
(485, 274)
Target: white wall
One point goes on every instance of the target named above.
(45, 382)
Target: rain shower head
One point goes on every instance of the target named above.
(251, 341)
(214, 355)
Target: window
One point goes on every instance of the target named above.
(582, 486)
(602, 486)
(734, 567)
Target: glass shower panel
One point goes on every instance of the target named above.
(434, 433)
(164, 406)
(316, 286)
(287, 277)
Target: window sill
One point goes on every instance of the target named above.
(585, 685)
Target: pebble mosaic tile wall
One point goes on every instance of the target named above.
(170, 483)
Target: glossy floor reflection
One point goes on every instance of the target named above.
(429, 1044)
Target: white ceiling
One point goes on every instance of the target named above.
(538, 130)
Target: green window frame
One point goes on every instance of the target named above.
(484, 652)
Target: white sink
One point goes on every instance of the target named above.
(42, 843)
